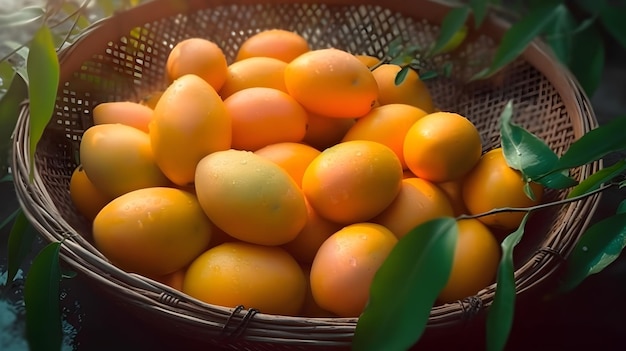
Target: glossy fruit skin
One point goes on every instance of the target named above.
(412, 91)
(237, 273)
(130, 113)
(254, 72)
(493, 184)
(331, 82)
(250, 198)
(352, 181)
(87, 199)
(152, 231)
(276, 43)
(475, 264)
(262, 116)
(118, 159)
(190, 121)
(417, 202)
(387, 125)
(442, 146)
(343, 269)
(199, 57)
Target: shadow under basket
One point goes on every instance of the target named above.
(123, 58)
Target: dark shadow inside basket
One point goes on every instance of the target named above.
(123, 61)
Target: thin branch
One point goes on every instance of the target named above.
(537, 207)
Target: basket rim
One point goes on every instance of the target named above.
(42, 212)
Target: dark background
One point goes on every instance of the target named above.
(591, 317)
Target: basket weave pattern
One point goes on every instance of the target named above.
(116, 61)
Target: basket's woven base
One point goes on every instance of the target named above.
(122, 61)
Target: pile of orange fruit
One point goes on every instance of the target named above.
(282, 180)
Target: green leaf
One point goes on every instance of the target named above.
(21, 17)
(41, 297)
(401, 75)
(406, 286)
(523, 150)
(595, 144)
(9, 111)
(20, 242)
(559, 34)
(43, 68)
(500, 314)
(519, 36)
(452, 24)
(612, 18)
(587, 59)
(595, 180)
(479, 8)
(598, 247)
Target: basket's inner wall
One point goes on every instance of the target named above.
(133, 68)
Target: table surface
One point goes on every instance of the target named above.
(591, 317)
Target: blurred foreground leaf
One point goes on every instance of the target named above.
(41, 297)
(451, 26)
(20, 242)
(9, 111)
(42, 67)
(406, 286)
(500, 314)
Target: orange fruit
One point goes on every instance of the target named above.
(190, 121)
(254, 72)
(368, 60)
(352, 181)
(412, 91)
(417, 202)
(442, 146)
(277, 43)
(250, 197)
(152, 231)
(200, 57)
(316, 230)
(387, 124)
(293, 157)
(493, 184)
(118, 158)
(256, 276)
(454, 191)
(345, 264)
(331, 82)
(323, 132)
(87, 199)
(263, 116)
(475, 263)
(125, 112)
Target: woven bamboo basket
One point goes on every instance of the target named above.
(123, 58)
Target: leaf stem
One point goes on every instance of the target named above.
(537, 207)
